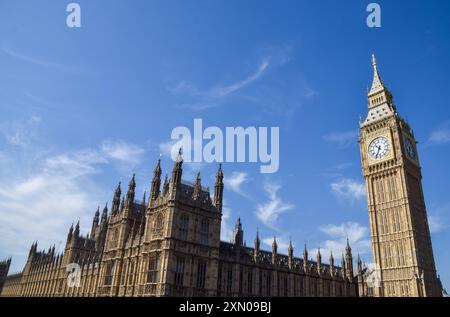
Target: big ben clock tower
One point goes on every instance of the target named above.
(401, 241)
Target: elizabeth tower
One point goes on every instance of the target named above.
(401, 241)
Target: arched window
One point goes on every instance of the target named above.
(183, 227)
(204, 230)
(159, 222)
(109, 273)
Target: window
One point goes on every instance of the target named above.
(179, 271)
(184, 226)
(131, 274)
(159, 223)
(109, 273)
(204, 231)
(201, 274)
(249, 282)
(153, 270)
(229, 279)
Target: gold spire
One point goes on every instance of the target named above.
(377, 84)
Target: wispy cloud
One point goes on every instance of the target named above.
(269, 212)
(39, 61)
(214, 97)
(441, 135)
(235, 181)
(342, 139)
(40, 203)
(348, 189)
(357, 234)
(123, 152)
(20, 132)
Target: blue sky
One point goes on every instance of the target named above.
(81, 109)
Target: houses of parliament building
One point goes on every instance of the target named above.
(169, 244)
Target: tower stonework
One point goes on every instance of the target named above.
(401, 241)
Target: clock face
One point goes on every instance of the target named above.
(410, 149)
(379, 148)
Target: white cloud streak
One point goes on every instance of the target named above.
(269, 212)
(441, 135)
(357, 234)
(348, 189)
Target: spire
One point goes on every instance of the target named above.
(377, 83)
(116, 200)
(290, 254)
(218, 189)
(349, 260)
(257, 242)
(156, 181)
(177, 169)
(274, 249)
(69, 236)
(331, 258)
(144, 197)
(379, 94)
(105, 211)
(97, 213)
(197, 186)
(131, 191)
(319, 260)
(95, 222)
(305, 253)
(166, 185)
(331, 263)
(290, 249)
(238, 233)
(77, 230)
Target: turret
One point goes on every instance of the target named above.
(95, 222)
(70, 234)
(319, 262)
(76, 233)
(218, 189)
(359, 266)
(116, 200)
(238, 233)
(331, 263)
(131, 192)
(290, 255)
(274, 250)
(257, 246)
(104, 215)
(349, 260)
(166, 185)
(197, 187)
(156, 182)
(177, 171)
(305, 259)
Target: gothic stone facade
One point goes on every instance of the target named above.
(171, 246)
